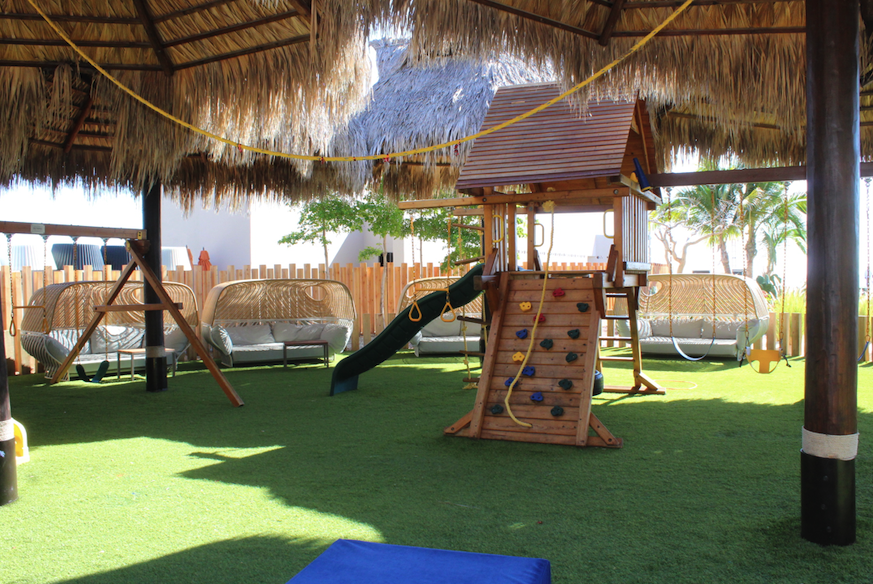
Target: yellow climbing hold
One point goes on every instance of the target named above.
(518, 357)
(525, 306)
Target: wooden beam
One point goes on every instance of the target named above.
(133, 307)
(191, 10)
(10, 227)
(519, 199)
(244, 52)
(738, 176)
(154, 37)
(714, 31)
(81, 43)
(304, 9)
(230, 29)
(611, 21)
(70, 18)
(537, 18)
(77, 126)
(53, 64)
(74, 147)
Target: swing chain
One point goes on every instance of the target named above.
(13, 328)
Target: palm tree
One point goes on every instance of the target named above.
(786, 222)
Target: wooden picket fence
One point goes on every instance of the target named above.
(364, 281)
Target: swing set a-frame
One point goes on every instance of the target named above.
(137, 246)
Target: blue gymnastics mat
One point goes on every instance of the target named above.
(349, 561)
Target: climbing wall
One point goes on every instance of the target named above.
(554, 393)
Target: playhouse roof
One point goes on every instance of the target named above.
(556, 144)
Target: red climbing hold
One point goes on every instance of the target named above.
(557, 293)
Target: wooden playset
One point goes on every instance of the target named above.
(543, 345)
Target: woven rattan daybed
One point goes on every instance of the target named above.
(49, 333)
(248, 321)
(439, 337)
(738, 301)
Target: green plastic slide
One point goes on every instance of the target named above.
(399, 332)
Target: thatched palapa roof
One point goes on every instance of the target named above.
(244, 69)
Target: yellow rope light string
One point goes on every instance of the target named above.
(550, 207)
(642, 42)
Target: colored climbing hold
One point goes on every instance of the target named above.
(557, 292)
(529, 371)
(509, 381)
(565, 384)
(540, 318)
(518, 357)
(573, 334)
(571, 357)
(525, 306)
(536, 396)
(496, 409)
(557, 411)
(547, 344)
(522, 334)
(582, 306)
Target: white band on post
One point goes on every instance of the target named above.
(841, 447)
(7, 430)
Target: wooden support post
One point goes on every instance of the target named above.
(830, 438)
(511, 239)
(155, 360)
(531, 236)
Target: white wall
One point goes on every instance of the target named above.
(226, 236)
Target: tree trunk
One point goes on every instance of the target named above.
(725, 258)
(324, 246)
(751, 249)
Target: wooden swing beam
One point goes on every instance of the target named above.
(14, 227)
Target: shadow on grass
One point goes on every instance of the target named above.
(705, 489)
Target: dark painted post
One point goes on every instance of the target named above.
(155, 362)
(830, 439)
(8, 470)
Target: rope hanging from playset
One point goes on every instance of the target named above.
(13, 328)
(454, 143)
(550, 207)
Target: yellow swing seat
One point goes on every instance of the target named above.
(764, 357)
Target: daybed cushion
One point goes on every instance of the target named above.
(644, 328)
(252, 334)
(724, 329)
(111, 338)
(221, 340)
(683, 328)
(438, 328)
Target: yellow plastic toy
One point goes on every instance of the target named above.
(22, 453)
(525, 306)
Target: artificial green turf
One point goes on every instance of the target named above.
(130, 487)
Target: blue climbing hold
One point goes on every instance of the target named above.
(508, 381)
(529, 371)
(537, 396)
(522, 334)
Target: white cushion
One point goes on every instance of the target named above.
(644, 328)
(310, 332)
(336, 336)
(438, 328)
(683, 328)
(724, 329)
(56, 349)
(221, 340)
(175, 339)
(285, 331)
(254, 334)
(110, 338)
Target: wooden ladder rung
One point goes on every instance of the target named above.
(471, 380)
(616, 294)
(468, 261)
(472, 353)
(625, 359)
(612, 317)
(616, 339)
(470, 319)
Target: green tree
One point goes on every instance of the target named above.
(676, 243)
(320, 217)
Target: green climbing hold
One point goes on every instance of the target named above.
(497, 409)
(546, 344)
(565, 384)
(582, 306)
(571, 357)
(573, 334)
(557, 411)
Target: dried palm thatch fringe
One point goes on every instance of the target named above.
(280, 98)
